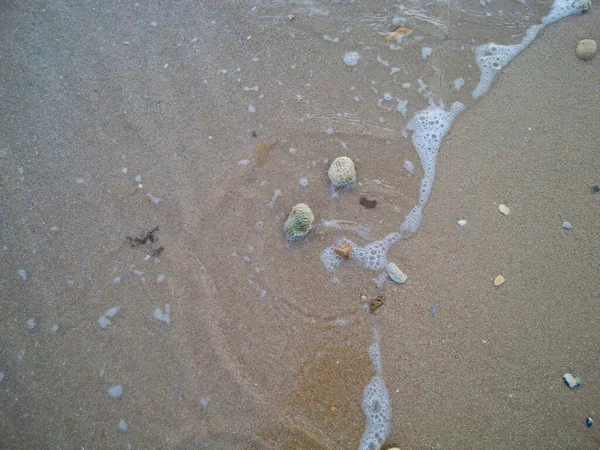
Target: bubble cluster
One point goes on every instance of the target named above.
(429, 128)
(351, 58)
(378, 413)
(492, 58)
(372, 256)
(376, 404)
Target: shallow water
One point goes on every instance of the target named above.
(124, 117)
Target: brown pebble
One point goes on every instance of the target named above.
(369, 204)
(499, 280)
(343, 251)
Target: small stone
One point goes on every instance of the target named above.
(504, 209)
(462, 223)
(499, 280)
(566, 225)
(291, 17)
(343, 251)
(571, 381)
(589, 422)
(586, 49)
(595, 189)
(395, 273)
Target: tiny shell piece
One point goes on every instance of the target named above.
(499, 280)
(571, 381)
(395, 273)
(504, 209)
(401, 31)
(566, 225)
(343, 251)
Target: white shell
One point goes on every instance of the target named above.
(504, 209)
(396, 274)
(571, 381)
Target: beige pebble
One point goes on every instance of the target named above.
(395, 273)
(504, 209)
(499, 280)
(586, 49)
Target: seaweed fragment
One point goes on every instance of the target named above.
(376, 303)
(144, 238)
(369, 204)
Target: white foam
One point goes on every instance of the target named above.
(276, 195)
(402, 107)
(492, 58)
(351, 58)
(458, 83)
(303, 181)
(429, 128)
(163, 317)
(376, 404)
(22, 273)
(123, 425)
(31, 324)
(410, 168)
(105, 321)
(426, 52)
(115, 391)
(372, 256)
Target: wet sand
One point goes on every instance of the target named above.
(254, 354)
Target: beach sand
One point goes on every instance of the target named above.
(263, 348)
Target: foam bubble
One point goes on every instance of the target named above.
(105, 321)
(372, 256)
(115, 391)
(351, 58)
(492, 58)
(376, 403)
(163, 317)
(123, 425)
(429, 128)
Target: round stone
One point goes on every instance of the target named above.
(586, 49)
(499, 280)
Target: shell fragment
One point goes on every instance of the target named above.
(571, 381)
(395, 273)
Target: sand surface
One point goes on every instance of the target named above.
(261, 347)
